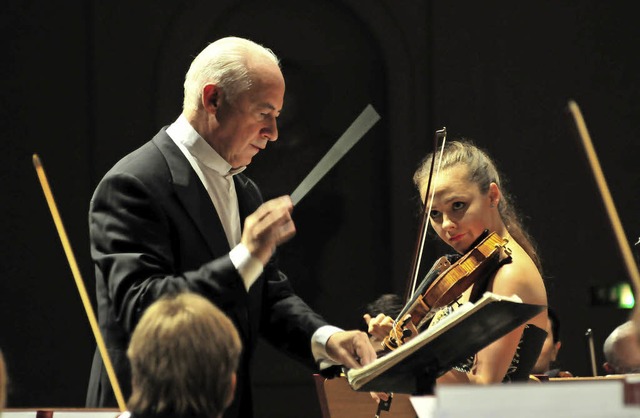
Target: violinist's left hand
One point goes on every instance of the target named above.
(351, 348)
(380, 326)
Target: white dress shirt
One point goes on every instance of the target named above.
(216, 175)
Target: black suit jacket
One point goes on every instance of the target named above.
(154, 230)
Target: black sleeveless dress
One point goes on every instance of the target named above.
(523, 360)
(529, 346)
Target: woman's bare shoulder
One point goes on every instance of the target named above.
(520, 277)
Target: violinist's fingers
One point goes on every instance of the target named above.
(351, 348)
(377, 320)
(380, 326)
(367, 318)
(387, 321)
(374, 323)
(378, 396)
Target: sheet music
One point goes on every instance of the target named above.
(359, 377)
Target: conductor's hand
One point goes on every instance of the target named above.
(269, 226)
(351, 348)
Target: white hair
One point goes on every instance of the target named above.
(225, 63)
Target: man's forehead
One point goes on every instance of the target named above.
(269, 106)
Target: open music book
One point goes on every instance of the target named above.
(418, 362)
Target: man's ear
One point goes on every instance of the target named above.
(211, 96)
(232, 389)
(608, 368)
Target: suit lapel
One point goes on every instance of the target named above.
(196, 201)
(193, 195)
(248, 201)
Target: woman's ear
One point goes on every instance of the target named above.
(494, 194)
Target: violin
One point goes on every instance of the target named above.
(445, 283)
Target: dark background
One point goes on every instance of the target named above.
(84, 83)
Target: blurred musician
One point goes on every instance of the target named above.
(184, 356)
(548, 355)
(622, 350)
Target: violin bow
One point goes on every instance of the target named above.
(422, 234)
(623, 244)
(424, 224)
(79, 282)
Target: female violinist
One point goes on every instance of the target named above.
(468, 200)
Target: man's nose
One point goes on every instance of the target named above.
(271, 130)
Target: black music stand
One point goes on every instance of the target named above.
(414, 366)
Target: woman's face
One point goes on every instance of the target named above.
(460, 212)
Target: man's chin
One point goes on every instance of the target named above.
(239, 163)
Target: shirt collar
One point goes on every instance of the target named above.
(181, 131)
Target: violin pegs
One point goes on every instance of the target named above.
(406, 333)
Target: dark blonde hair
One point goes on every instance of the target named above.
(183, 353)
(481, 171)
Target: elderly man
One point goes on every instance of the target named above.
(178, 214)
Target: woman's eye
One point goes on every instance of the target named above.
(458, 205)
(434, 214)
